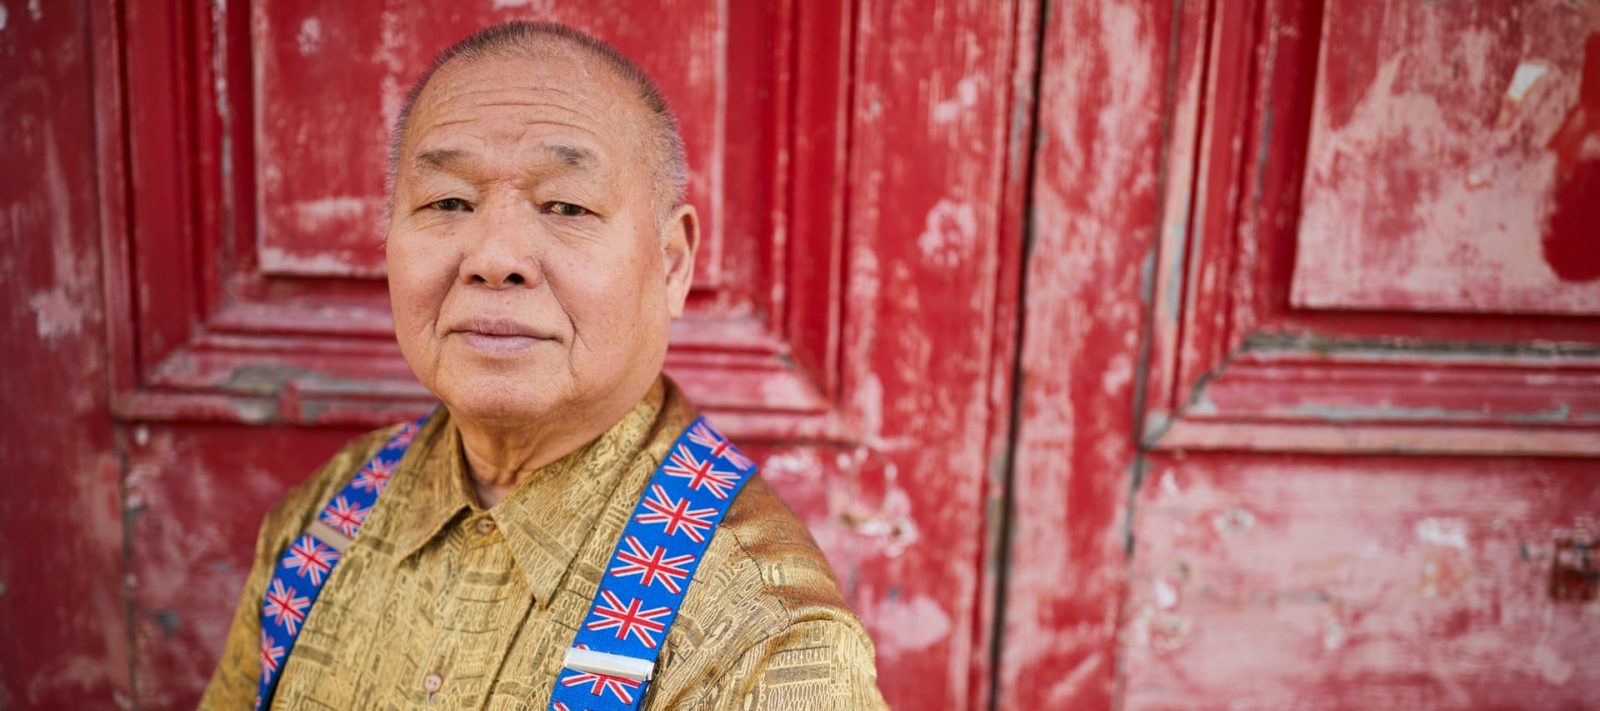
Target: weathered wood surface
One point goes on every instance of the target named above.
(1223, 476)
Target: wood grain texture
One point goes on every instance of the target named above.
(1094, 215)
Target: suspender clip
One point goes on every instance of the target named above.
(588, 660)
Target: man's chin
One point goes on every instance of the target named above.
(502, 398)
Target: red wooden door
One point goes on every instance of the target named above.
(1310, 375)
(843, 321)
(1300, 297)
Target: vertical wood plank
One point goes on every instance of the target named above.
(1096, 211)
(63, 631)
(927, 179)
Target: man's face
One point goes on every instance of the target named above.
(528, 271)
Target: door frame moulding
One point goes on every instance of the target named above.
(1231, 366)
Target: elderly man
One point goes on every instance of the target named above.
(563, 533)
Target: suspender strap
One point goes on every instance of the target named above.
(310, 559)
(611, 661)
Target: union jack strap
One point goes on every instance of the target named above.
(311, 557)
(610, 663)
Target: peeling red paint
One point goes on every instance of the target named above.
(63, 626)
(1377, 583)
(1432, 178)
(1263, 456)
(1572, 231)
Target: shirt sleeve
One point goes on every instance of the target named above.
(818, 664)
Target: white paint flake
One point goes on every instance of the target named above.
(1527, 74)
(334, 211)
(35, 11)
(1447, 532)
(1166, 595)
(56, 314)
(309, 38)
(966, 97)
(908, 626)
(2, 17)
(948, 234)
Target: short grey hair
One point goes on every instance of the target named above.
(530, 37)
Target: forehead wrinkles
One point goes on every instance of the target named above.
(520, 95)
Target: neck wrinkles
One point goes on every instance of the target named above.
(498, 458)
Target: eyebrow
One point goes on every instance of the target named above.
(569, 155)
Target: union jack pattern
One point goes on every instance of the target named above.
(271, 653)
(599, 684)
(653, 564)
(702, 434)
(701, 474)
(628, 619)
(676, 515)
(285, 608)
(304, 567)
(374, 477)
(345, 516)
(311, 558)
(408, 432)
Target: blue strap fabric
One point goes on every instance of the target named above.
(638, 598)
(650, 569)
(311, 557)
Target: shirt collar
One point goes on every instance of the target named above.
(546, 518)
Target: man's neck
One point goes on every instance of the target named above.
(498, 460)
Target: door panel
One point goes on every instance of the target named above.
(1364, 414)
(335, 124)
(1447, 168)
(842, 323)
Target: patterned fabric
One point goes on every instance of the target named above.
(439, 603)
(712, 472)
(310, 559)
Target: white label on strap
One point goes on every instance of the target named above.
(588, 660)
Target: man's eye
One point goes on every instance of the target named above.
(566, 209)
(450, 205)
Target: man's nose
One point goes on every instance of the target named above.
(504, 252)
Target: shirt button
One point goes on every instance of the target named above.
(432, 683)
(485, 526)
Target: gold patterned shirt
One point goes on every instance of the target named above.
(441, 604)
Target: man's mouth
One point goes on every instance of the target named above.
(499, 335)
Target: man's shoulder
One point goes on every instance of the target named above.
(764, 598)
(763, 573)
(765, 537)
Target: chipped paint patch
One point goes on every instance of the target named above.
(309, 38)
(314, 215)
(1527, 74)
(949, 234)
(56, 314)
(3, 17)
(1233, 522)
(907, 626)
(1447, 532)
(327, 263)
(964, 99)
(35, 10)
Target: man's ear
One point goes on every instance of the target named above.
(679, 242)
